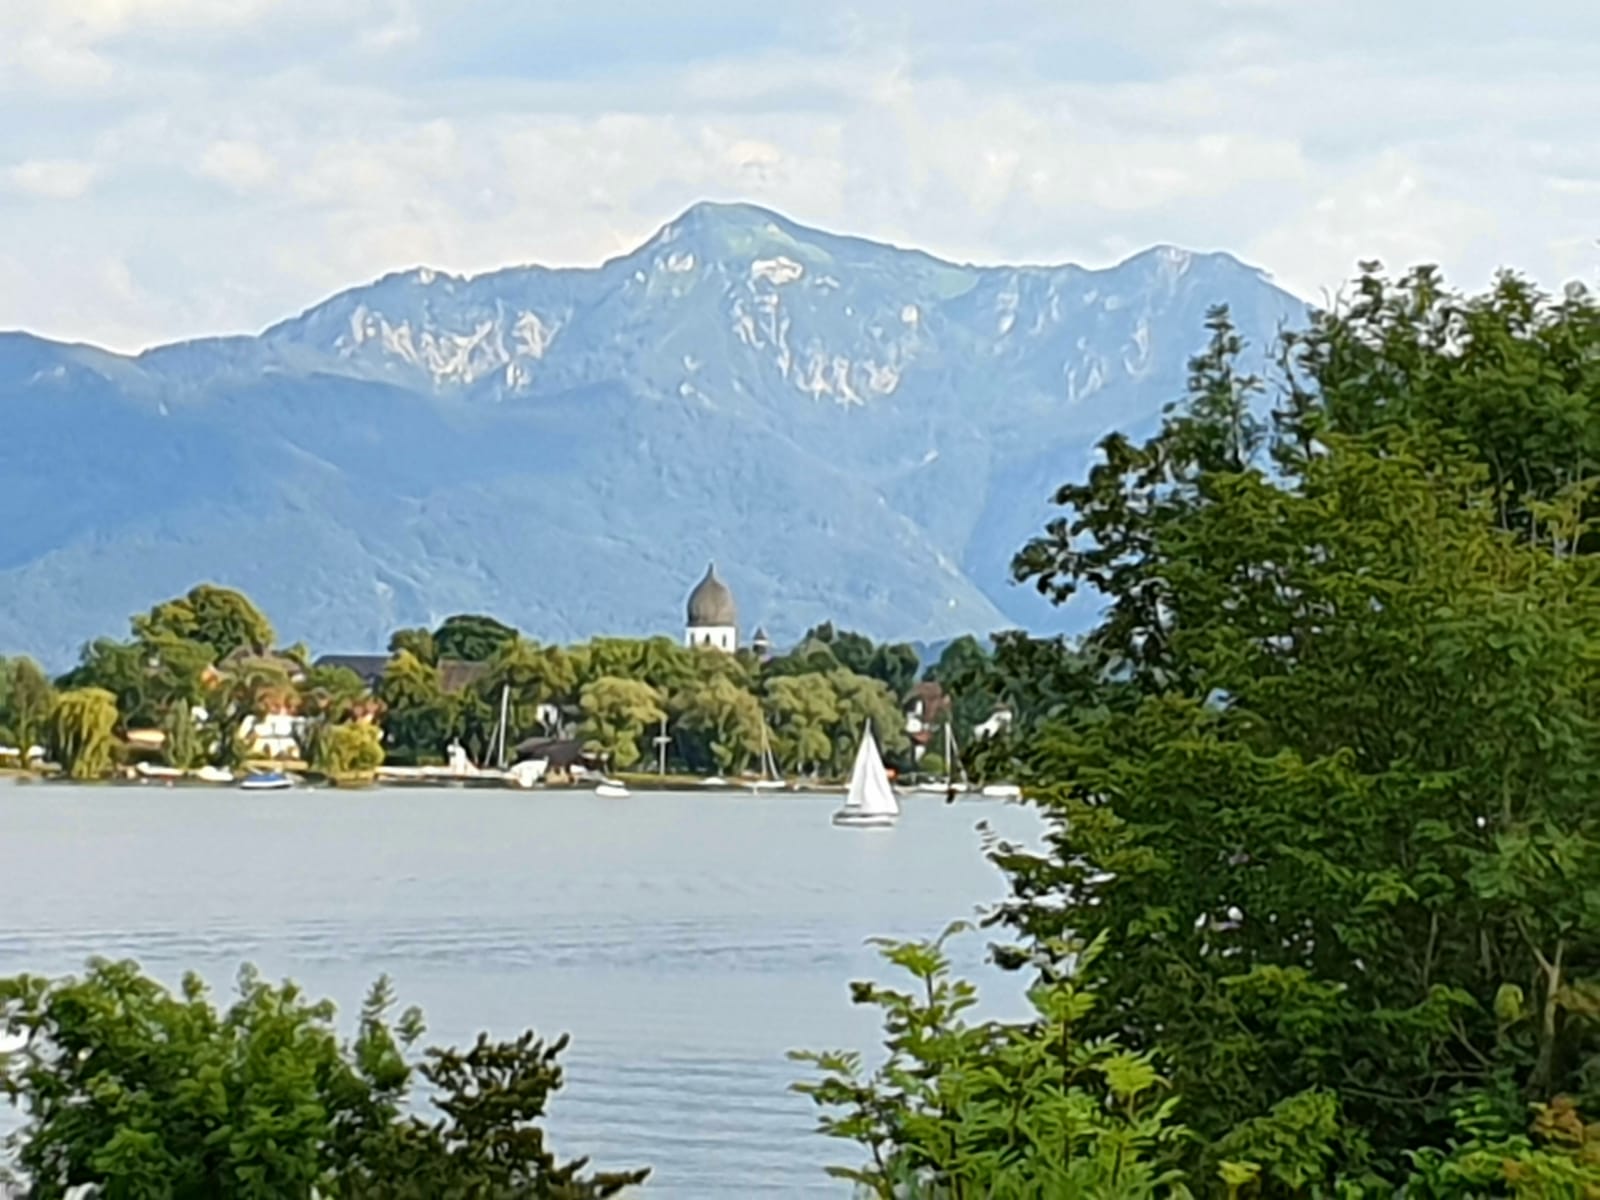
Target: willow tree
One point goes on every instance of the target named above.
(721, 720)
(182, 746)
(351, 751)
(616, 714)
(804, 709)
(83, 732)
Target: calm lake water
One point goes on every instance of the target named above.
(685, 941)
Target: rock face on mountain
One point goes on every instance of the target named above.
(852, 431)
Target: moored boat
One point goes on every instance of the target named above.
(266, 781)
(1001, 791)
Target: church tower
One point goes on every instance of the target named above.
(712, 619)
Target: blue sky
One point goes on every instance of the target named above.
(170, 168)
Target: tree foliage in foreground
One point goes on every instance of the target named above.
(1028, 1111)
(1344, 838)
(135, 1091)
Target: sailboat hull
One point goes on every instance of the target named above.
(860, 820)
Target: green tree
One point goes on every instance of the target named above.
(29, 701)
(616, 713)
(349, 751)
(810, 657)
(1025, 1111)
(83, 726)
(418, 716)
(1134, 492)
(661, 662)
(719, 723)
(895, 665)
(420, 643)
(182, 746)
(1340, 829)
(239, 696)
(130, 1090)
(147, 676)
(218, 617)
(852, 651)
(965, 671)
(804, 711)
(1513, 373)
(328, 696)
(121, 668)
(861, 699)
(471, 637)
(535, 675)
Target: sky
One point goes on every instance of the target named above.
(175, 168)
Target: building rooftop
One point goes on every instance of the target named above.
(711, 603)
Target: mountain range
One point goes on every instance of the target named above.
(853, 431)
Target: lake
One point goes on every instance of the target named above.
(686, 941)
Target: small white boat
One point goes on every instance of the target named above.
(214, 775)
(528, 772)
(157, 771)
(1001, 791)
(266, 781)
(611, 789)
(870, 803)
(713, 781)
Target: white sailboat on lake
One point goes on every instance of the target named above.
(870, 802)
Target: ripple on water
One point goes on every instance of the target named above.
(686, 942)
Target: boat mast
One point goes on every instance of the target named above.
(500, 729)
(662, 740)
(769, 764)
(950, 759)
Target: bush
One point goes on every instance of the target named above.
(1008, 1112)
(136, 1092)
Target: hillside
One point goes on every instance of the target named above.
(853, 431)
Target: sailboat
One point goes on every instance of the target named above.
(870, 803)
(947, 787)
(770, 780)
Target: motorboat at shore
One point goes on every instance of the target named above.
(266, 781)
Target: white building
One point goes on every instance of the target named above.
(712, 618)
(274, 735)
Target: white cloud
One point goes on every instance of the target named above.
(243, 166)
(51, 179)
(357, 136)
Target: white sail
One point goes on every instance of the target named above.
(871, 794)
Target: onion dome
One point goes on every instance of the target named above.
(711, 603)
